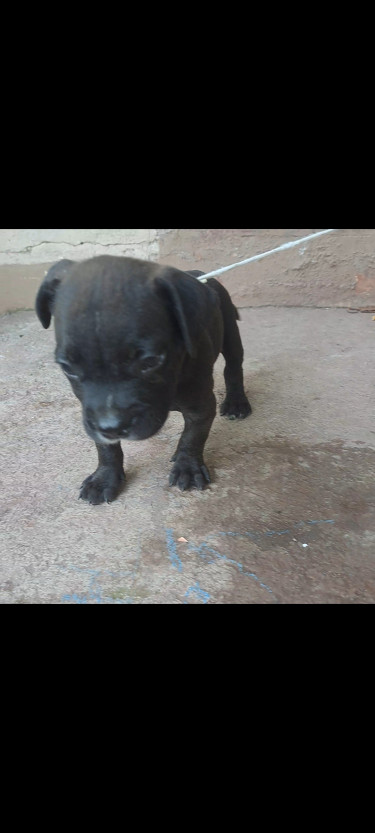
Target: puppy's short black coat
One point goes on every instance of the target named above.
(136, 341)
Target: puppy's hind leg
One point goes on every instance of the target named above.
(236, 404)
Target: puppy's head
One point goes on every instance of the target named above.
(124, 329)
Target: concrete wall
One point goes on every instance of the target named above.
(26, 254)
(336, 270)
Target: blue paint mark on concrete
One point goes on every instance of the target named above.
(273, 533)
(317, 523)
(210, 554)
(172, 550)
(77, 600)
(95, 592)
(197, 593)
(206, 552)
(95, 597)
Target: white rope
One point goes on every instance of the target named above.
(254, 259)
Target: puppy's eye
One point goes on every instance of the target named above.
(150, 363)
(69, 372)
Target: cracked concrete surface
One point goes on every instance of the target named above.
(25, 246)
(27, 254)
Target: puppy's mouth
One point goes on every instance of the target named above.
(142, 427)
(102, 440)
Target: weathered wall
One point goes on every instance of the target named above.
(337, 270)
(26, 254)
(332, 271)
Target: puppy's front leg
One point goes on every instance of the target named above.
(105, 484)
(189, 470)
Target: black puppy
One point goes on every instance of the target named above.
(137, 340)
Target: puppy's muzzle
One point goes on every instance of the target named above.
(114, 425)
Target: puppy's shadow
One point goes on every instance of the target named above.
(239, 435)
(133, 474)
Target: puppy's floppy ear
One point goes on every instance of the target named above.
(46, 295)
(190, 303)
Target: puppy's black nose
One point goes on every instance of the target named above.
(113, 434)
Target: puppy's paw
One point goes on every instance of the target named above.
(188, 473)
(236, 406)
(103, 486)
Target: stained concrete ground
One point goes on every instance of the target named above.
(289, 517)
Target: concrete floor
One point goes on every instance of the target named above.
(290, 515)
